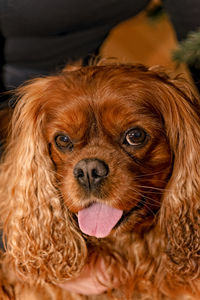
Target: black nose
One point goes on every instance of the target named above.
(91, 172)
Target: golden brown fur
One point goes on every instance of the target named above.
(155, 251)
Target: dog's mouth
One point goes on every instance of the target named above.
(99, 219)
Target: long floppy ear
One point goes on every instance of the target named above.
(180, 210)
(33, 216)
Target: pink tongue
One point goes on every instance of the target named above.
(98, 219)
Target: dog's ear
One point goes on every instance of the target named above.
(32, 212)
(180, 210)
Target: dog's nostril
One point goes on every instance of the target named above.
(79, 173)
(90, 172)
(101, 170)
(94, 173)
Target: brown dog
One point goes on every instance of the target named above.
(102, 167)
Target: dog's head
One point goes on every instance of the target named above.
(98, 151)
(109, 148)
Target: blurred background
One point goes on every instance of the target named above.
(148, 38)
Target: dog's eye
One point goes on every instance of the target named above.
(135, 137)
(63, 143)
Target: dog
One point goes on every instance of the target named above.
(101, 172)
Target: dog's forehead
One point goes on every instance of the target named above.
(105, 91)
(102, 99)
(113, 109)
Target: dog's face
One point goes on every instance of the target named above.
(109, 148)
(101, 151)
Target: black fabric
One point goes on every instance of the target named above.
(184, 15)
(2, 43)
(40, 37)
(195, 76)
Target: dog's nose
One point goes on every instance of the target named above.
(91, 172)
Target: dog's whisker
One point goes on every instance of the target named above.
(148, 174)
(151, 189)
(144, 196)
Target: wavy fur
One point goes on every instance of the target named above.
(155, 255)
